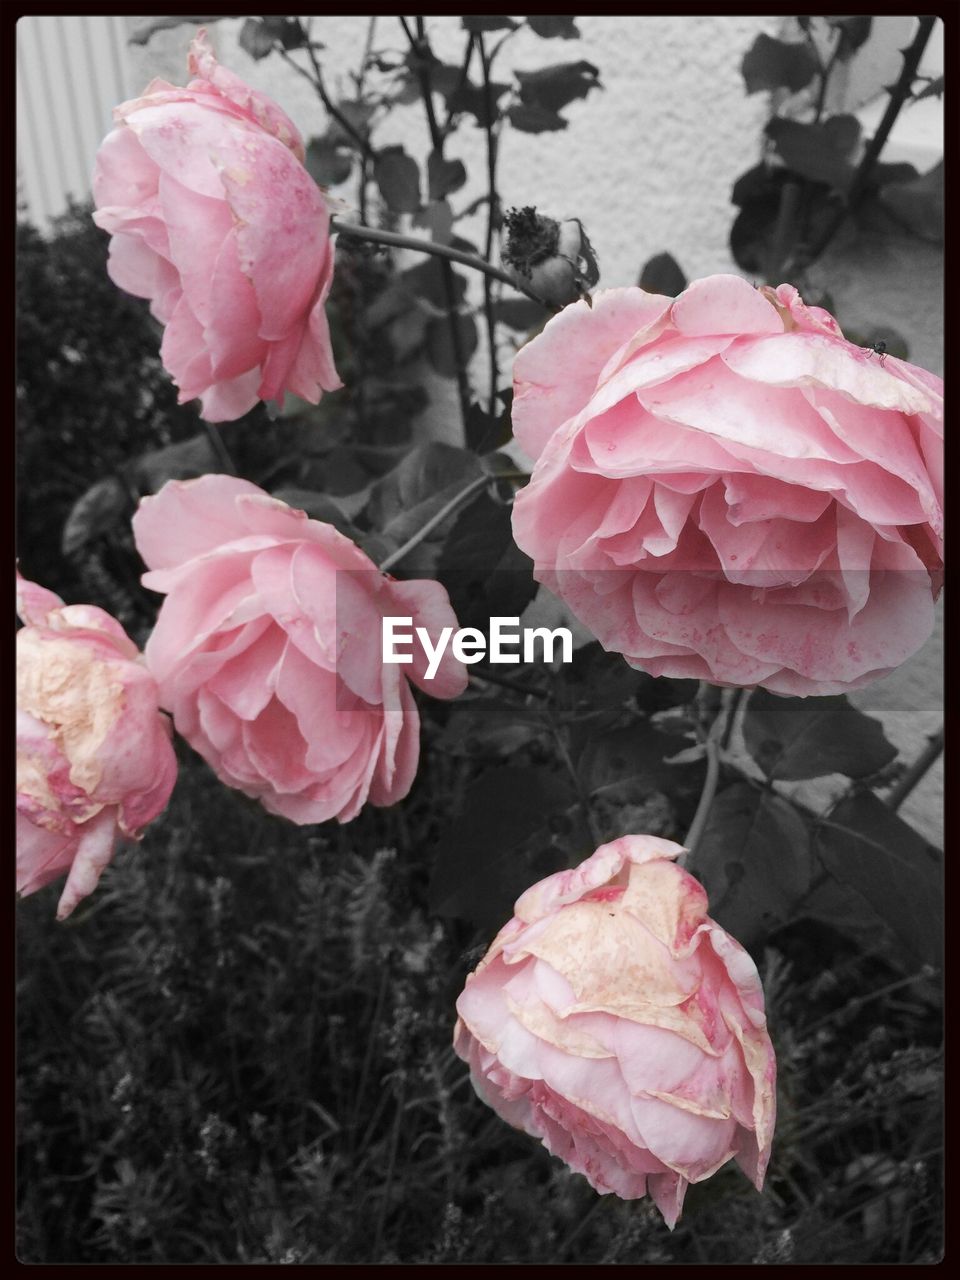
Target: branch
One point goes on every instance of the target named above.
(924, 761)
(425, 530)
(317, 81)
(395, 240)
(714, 738)
(493, 214)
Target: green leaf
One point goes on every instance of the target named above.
(489, 22)
(563, 28)
(444, 176)
(754, 860)
(555, 86)
(662, 274)
(820, 152)
(867, 846)
(498, 845)
(778, 64)
(793, 738)
(398, 178)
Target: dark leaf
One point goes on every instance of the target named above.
(95, 513)
(564, 28)
(635, 755)
(424, 474)
(532, 118)
(522, 314)
(754, 861)
(255, 38)
(778, 64)
(489, 727)
(554, 87)
(793, 738)
(358, 115)
(486, 575)
(498, 845)
(398, 178)
(918, 205)
(289, 31)
(151, 26)
(473, 100)
(820, 152)
(426, 280)
(327, 164)
(182, 461)
(854, 32)
(489, 22)
(437, 218)
(444, 176)
(318, 506)
(443, 351)
(662, 274)
(865, 845)
(485, 431)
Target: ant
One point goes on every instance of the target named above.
(880, 347)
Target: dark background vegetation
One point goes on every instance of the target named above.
(238, 1050)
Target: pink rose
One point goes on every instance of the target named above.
(217, 222)
(727, 489)
(616, 1022)
(268, 649)
(94, 758)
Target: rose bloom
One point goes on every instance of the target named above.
(726, 489)
(94, 758)
(215, 220)
(616, 1022)
(268, 649)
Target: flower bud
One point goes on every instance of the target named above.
(554, 260)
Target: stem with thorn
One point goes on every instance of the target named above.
(916, 771)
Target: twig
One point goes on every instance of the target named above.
(493, 214)
(901, 91)
(395, 239)
(219, 447)
(924, 761)
(714, 737)
(475, 485)
(345, 124)
(583, 797)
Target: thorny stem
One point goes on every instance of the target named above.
(901, 91)
(714, 738)
(924, 761)
(395, 239)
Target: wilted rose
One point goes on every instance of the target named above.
(217, 222)
(94, 757)
(268, 649)
(555, 260)
(616, 1022)
(727, 489)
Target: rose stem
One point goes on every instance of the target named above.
(712, 744)
(927, 757)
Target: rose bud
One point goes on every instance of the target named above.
(94, 759)
(268, 649)
(554, 260)
(726, 489)
(215, 219)
(616, 1022)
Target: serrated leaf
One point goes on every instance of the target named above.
(778, 64)
(415, 490)
(636, 755)
(866, 845)
(481, 867)
(662, 274)
(485, 573)
(794, 738)
(754, 860)
(563, 28)
(398, 178)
